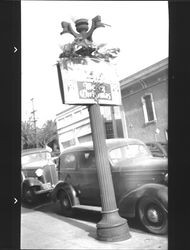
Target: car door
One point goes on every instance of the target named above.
(86, 178)
(132, 167)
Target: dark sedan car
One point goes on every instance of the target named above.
(140, 181)
(38, 173)
(158, 149)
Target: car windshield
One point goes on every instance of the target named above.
(128, 152)
(35, 157)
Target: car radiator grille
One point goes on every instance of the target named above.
(29, 173)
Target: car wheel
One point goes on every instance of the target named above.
(153, 216)
(66, 206)
(29, 194)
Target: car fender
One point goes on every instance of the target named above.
(69, 189)
(31, 182)
(127, 205)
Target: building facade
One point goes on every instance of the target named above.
(73, 124)
(145, 103)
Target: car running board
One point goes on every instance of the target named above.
(91, 208)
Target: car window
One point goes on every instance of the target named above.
(155, 150)
(128, 152)
(68, 161)
(35, 157)
(87, 159)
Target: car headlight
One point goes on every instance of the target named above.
(39, 172)
(166, 178)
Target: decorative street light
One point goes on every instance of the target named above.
(111, 227)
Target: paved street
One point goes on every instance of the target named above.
(43, 227)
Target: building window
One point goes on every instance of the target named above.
(148, 108)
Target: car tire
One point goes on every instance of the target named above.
(153, 216)
(29, 195)
(65, 203)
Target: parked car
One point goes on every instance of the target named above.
(158, 149)
(140, 181)
(38, 174)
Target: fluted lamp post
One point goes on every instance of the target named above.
(111, 227)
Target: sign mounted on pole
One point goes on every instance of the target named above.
(89, 83)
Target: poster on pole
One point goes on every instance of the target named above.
(89, 84)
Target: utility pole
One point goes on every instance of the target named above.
(34, 121)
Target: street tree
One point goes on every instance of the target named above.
(48, 135)
(41, 137)
(28, 139)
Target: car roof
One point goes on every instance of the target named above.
(33, 150)
(111, 143)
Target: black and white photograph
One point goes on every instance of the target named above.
(94, 125)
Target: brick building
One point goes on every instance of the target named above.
(145, 102)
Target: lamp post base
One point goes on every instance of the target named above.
(112, 227)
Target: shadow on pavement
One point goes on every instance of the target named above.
(44, 204)
(53, 209)
(41, 201)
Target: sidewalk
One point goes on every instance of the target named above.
(48, 230)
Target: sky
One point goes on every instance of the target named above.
(139, 28)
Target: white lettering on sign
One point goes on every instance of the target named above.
(84, 93)
(87, 90)
(104, 96)
(89, 86)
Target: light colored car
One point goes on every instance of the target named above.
(140, 181)
(38, 173)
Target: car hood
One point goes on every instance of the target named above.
(154, 163)
(36, 164)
